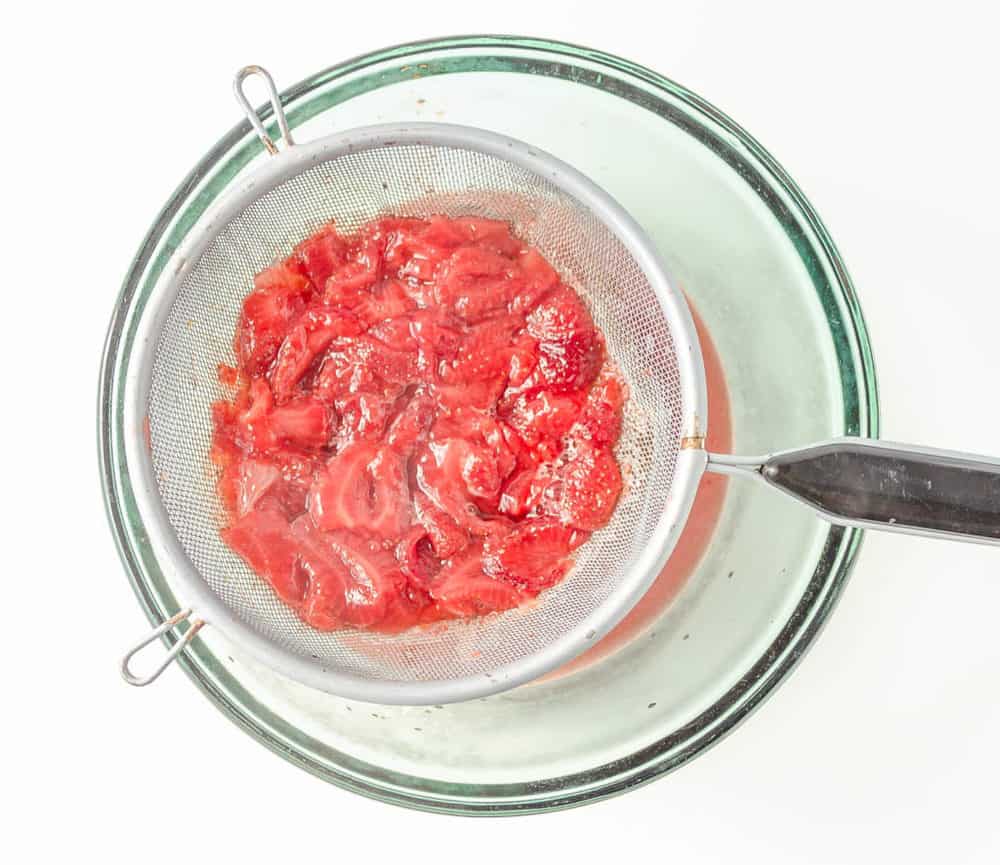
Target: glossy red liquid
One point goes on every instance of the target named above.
(422, 428)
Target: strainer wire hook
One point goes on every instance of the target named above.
(251, 112)
(140, 680)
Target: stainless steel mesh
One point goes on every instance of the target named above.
(416, 180)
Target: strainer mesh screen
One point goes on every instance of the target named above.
(415, 180)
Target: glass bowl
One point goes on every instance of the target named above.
(766, 280)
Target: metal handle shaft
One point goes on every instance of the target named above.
(882, 485)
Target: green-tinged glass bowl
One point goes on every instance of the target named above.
(766, 279)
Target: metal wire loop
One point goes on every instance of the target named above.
(251, 112)
(189, 635)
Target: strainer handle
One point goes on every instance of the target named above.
(883, 485)
(251, 112)
(159, 631)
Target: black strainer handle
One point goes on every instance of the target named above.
(882, 485)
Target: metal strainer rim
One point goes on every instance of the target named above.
(206, 605)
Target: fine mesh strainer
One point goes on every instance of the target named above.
(422, 169)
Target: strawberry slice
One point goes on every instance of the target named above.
(516, 497)
(252, 480)
(445, 535)
(534, 556)
(523, 360)
(390, 494)
(559, 317)
(278, 297)
(475, 282)
(416, 557)
(540, 418)
(376, 587)
(462, 589)
(363, 488)
(252, 431)
(601, 418)
(303, 422)
(264, 540)
(490, 234)
(389, 300)
(321, 254)
(412, 423)
(363, 417)
(349, 286)
(571, 350)
(484, 353)
(352, 581)
(395, 332)
(584, 488)
(443, 233)
(539, 279)
(314, 331)
(569, 365)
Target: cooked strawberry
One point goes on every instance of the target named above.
(267, 312)
(390, 365)
(584, 488)
(444, 534)
(252, 430)
(253, 480)
(523, 359)
(309, 337)
(484, 352)
(390, 494)
(442, 233)
(228, 375)
(377, 585)
(474, 282)
(541, 418)
(462, 589)
(341, 495)
(352, 581)
(482, 395)
(264, 539)
(363, 416)
(539, 279)
(303, 422)
(412, 422)
(534, 556)
(491, 234)
(364, 488)
(368, 250)
(559, 317)
(416, 557)
(570, 348)
(321, 254)
(389, 300)
(601, 418)
(349, 286)
(395, 332)
(516, 495)
(400, 400)
(459, 475)
(571, 364)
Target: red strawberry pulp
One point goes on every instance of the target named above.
(699, 528)
(422, 426)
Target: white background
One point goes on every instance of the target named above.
(882, 747)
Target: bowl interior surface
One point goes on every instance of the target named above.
(761, 273)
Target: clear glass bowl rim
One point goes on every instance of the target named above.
(841, 547)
